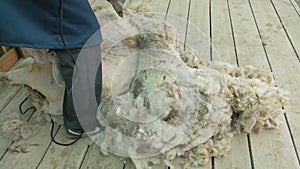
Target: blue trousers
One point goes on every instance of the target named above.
(83, 86)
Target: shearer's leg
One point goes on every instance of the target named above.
(83, 91)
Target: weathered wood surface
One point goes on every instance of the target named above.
(65, 157)
(39, 146)
(198, 29)
(96, 160)
(160, 6)
(263, 33)
(37, 143)
(284, 62)
(290, 19)
(286, 69)
(251, 51)
(224, 44)
(222, 38)
(8, 59)
(10, 108)
(7, 92)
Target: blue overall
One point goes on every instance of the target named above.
(37, 24)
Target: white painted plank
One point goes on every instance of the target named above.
(199, 15)
(286, 69)
(37, 144)
(296, 4)
(273, 149)
(96, 160)
(177, 16)
(198, 33)
(267, 151)
(179, 8)
(65, 156)
(30, 159)
(40, 142)
(290, 20)
(238, 156)
(178, 165)
(222, 39)
(12, 107)
(248, 43)
(7, 92)
(159, 6)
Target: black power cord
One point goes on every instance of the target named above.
(73, 58)
(29, 108)
(61, 30)
(52, 123)
(58, 143)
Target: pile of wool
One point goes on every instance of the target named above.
(249, 96)
(255, 100)
(225, 99)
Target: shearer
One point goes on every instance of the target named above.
(71, 30)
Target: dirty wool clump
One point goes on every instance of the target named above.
(254, 99)
(245, 97)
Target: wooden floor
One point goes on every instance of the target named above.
(262, 33)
